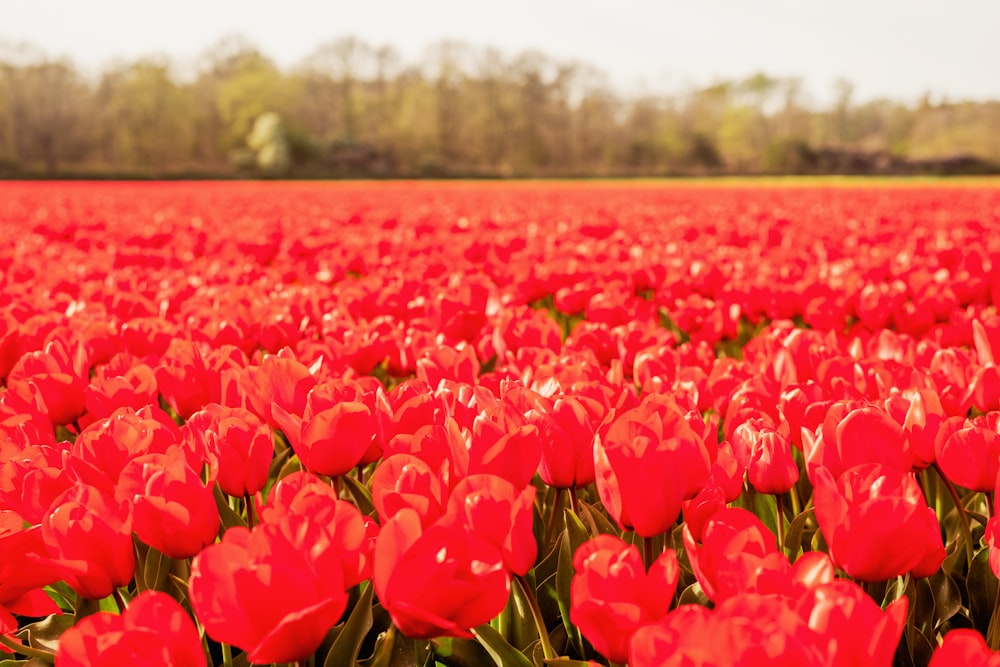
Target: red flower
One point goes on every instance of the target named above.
(154, 630)
(736, 547)
(835, 612)
(237, 444)
(351, 533)
(462, 582)
(612, 595)
(274, 592)
(964, 647)
(493, 508)
(648, 461)
(336, 430)
(970, 456)
(57, 375)
(24, 570)
(173, 510)
(89, 537)
(867, 512)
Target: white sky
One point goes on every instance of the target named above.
(892, 48)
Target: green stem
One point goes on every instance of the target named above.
(648, 551)
(543, 634)
(41, 654)
(574, 501)
(779, 503)
(120, 601)
(962, 516)
(251, 518)
(556, 503)
(796, 503)
(227, 655)
(992, 635)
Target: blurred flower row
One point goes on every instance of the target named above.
(395, 425)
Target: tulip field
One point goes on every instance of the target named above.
(486, 424)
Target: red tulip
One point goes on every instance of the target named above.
(108, 445)
(238, 446)
(613, 595)
(462, 582)
(405, 481)
(648, 461)
(970, 456)
(154, 630)
(772, 469)
(835, 611)
(566, 433)
(278, 381)
(351, 533)
(57, 375)
(24, 570)
(493, 508)
(867, 512)
(735, 547)
(335, 432)
(173, 510)
(274, 592)
(964, 647)
(89, 537)
(860, 435)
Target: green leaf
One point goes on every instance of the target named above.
(947, 597)
(693, 594)
(45, 634)
(362, 496)
(227, 515)
(346, 647)
(795, 532)
(503, 654)
(564, 584)
(982, 587)
(576, 533)
(456, 652)
(604, 524)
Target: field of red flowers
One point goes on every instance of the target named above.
(514, 425)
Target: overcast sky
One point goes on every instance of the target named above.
(892, 48)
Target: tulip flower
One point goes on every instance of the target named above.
(351, 533)
(333, 435)
(963, 646)
(613, 595)
(238, 446)
(867, 512)
(835, 611)
(648, 461)
(89, 538)
(24, 570)
(274, 592)
(462, 582)
(502, 514)
(173, 510)
(153, 631)
(735, 547)
(57, 375)
(970, 456)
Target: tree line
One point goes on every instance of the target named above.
(354, 109)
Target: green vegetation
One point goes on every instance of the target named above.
(352, 109)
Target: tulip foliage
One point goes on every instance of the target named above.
(514, 425)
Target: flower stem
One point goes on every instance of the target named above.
(120, 601)
(962, 516)
(41, 654)
(248, 499)
(648, 551)
(779, 503)
(227, 655)
(536, 612)
(556, 503)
